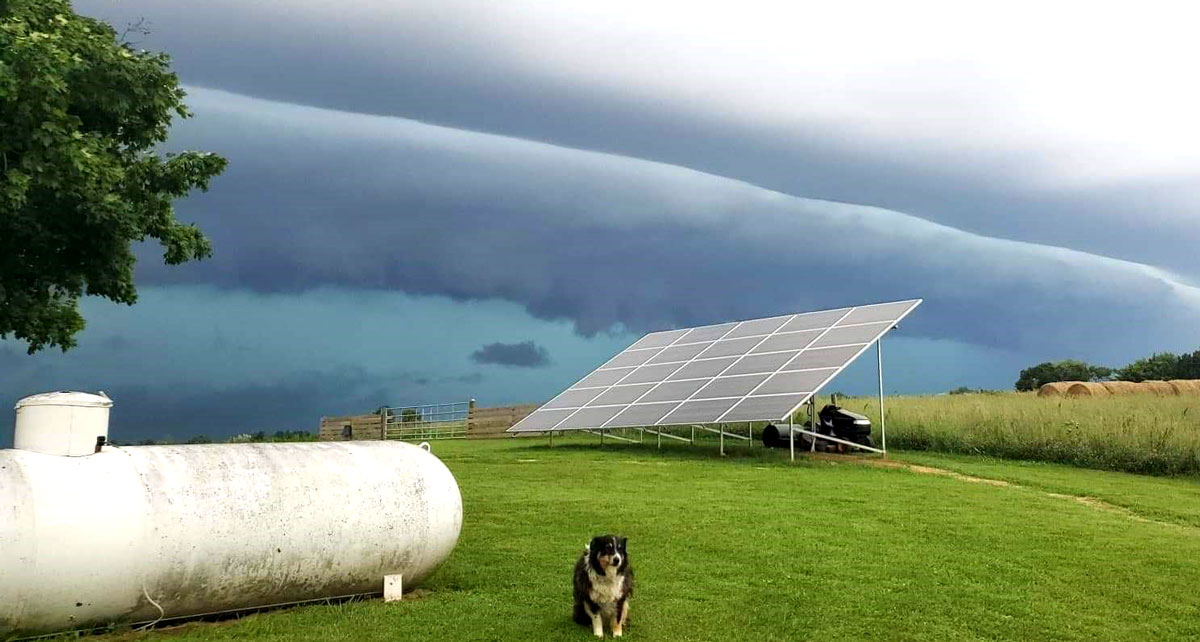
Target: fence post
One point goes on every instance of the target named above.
(383, 413)
(470, 415)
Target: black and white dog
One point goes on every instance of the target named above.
(603, 585)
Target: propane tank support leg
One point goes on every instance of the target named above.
(393, 588)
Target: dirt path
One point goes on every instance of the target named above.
(1091, 502)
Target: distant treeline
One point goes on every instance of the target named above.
(1161, 366)
(245, 438)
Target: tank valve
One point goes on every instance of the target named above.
(100, 440)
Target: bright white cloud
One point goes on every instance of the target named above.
(1054, 94)
(1089, 92)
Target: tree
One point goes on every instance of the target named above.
(1158, 367)
(409, 416)
(1188, 366)
(80, 116)
(1068, 370)
(199, 439)
(293, 435)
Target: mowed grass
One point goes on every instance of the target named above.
(1137, 433)
(750, 547)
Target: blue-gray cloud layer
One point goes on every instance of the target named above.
(231, 361)
(525, 354)
(322, 198)
(481, 66)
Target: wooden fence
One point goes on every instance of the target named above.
(351, 427)
(492, 422)
(482, 423)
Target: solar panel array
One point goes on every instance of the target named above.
(756, 370)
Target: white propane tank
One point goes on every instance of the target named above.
(61, 423)
(118, 535)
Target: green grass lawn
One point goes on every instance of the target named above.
(750, 547)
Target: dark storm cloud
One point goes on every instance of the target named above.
(295, 402)
(151, 412)
(315, 197)
(525, 354)
(451, 63)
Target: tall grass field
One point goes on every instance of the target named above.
(1149, 434)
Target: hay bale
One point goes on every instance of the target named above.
(1184, 386)
(1120, 387)
(1054, 389)
(1087, 389)
(1161, 388)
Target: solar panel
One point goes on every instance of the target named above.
(755, 370)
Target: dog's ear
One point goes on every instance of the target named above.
(621, 542)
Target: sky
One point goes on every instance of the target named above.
(436, 201)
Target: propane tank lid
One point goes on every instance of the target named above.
(66, 398)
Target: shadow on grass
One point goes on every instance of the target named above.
(122, 631)
(702, 450)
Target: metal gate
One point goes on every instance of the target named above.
(427, 421)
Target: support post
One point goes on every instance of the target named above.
(882, 414)
(693, 435)
(668, 435)
(791, 438)
(393, 588)
(617, 437)
(722, 429)
(812, 414)
(602, 437)
(551, 438)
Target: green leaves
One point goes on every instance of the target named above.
(1069, 370)
(80, 116)
(1161, 366)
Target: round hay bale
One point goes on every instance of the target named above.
(1182, 386)
(1120, 387)
(1161, 388)
(1054, 389)
(1087, 389)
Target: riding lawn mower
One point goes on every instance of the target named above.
(832, 420)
